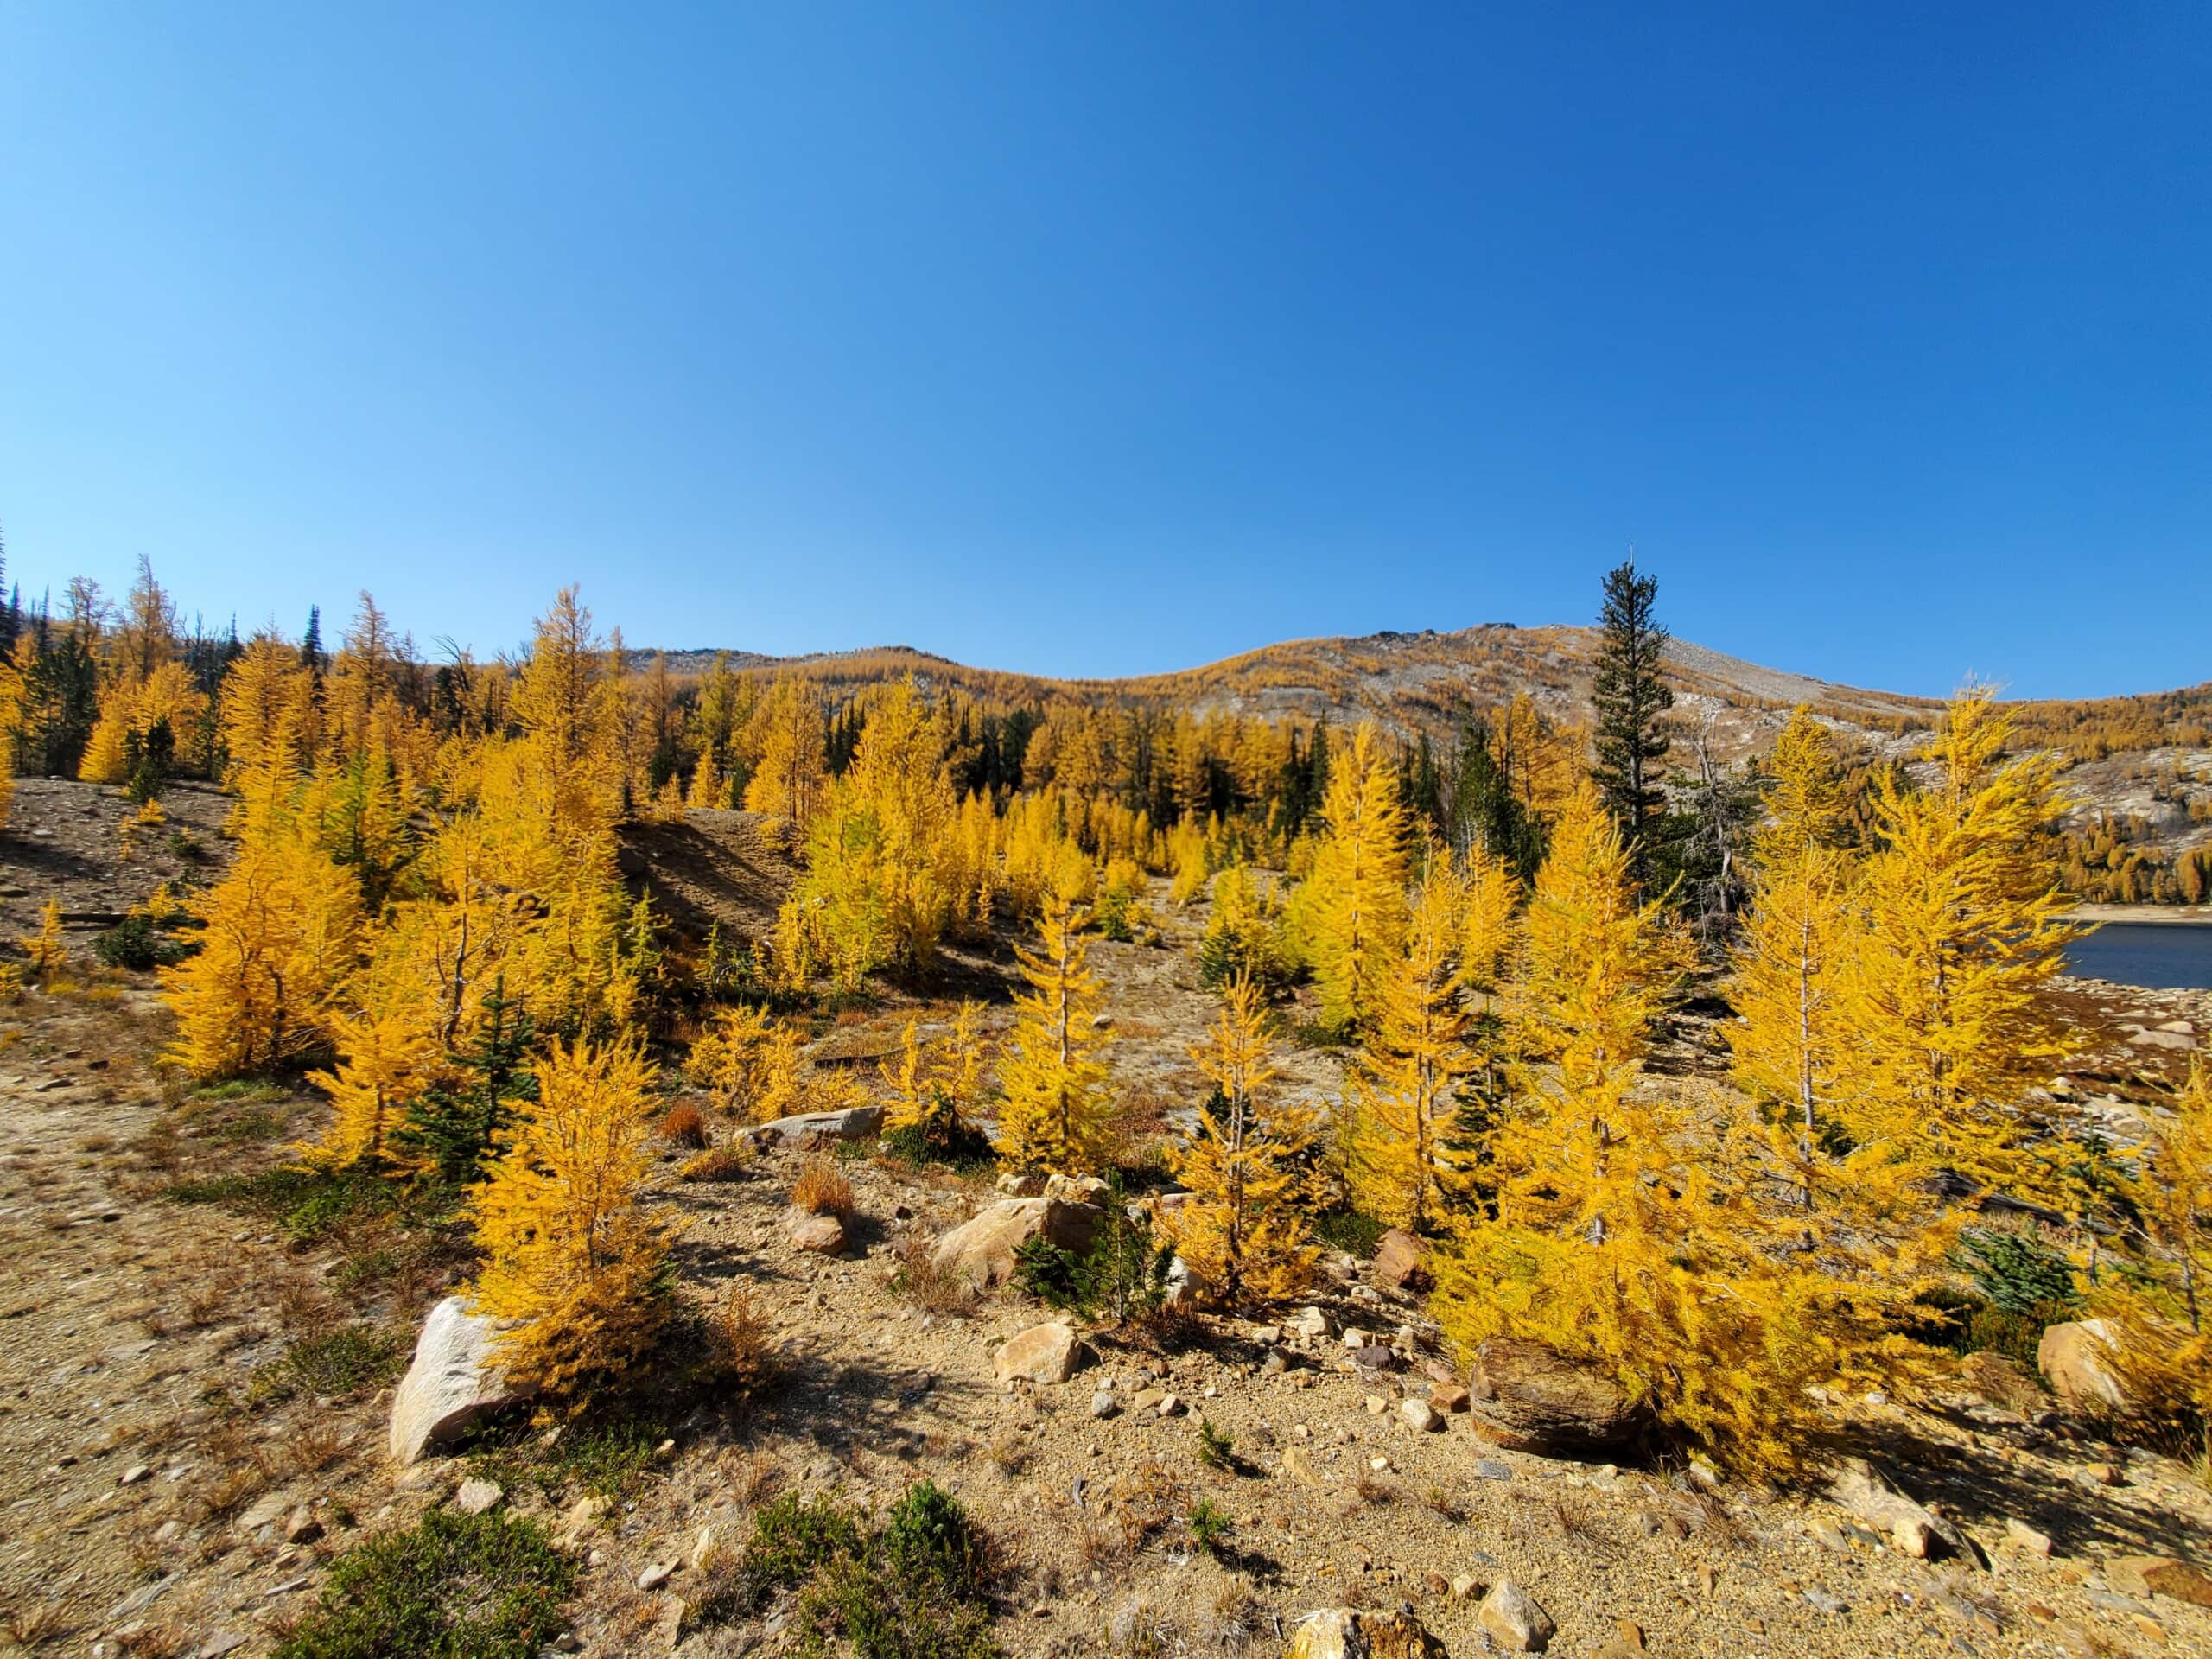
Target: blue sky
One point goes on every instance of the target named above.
(1104, 339)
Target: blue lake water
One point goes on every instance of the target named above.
(2169, 956)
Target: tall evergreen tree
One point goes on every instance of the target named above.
(1630, 698)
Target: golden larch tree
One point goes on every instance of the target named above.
(1056, 1116)
(1789, 960)
(1401, 1094)
(569, 1256)
(1960, 926)
(1617, 1233)
(1247, 1167)
(1353, 909)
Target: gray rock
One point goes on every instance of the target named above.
(656, 1575)
(812, 1128)
(452, 1382)
(1101, 1403)
(1491, 1469)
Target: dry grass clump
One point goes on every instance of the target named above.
(715, 1164)
(927, 1286)
(1574, 1513)
(741, 1342)
(685, 1126)
(822, 1189)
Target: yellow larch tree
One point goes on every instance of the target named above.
(1789, 960)
(1401, 1097)
(933, 1088)
(392, 1056)
(792, 774)
(1353, 911)
(569, 1256)
(2161, 1311)
(1247, 1166)
(1960, 926)
(1617, 1233)
(1056, 1116)
(278, 934)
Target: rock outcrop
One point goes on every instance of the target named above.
(981, 1250)
(1526, 1398)
(452, 1382)
(1358, 1633)
(2076, 1360)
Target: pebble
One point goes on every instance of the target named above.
(133, 1474)
(1491, 1469)
(1101, 1403)
(1420, 1416)
(477, 1495)
(656, 1575)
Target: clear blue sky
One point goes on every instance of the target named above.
(1108, 338)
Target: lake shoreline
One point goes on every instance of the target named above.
(2165, 915)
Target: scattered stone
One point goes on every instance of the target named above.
(2144, 1576)
(267, 1510)
(1828, 1535)
(1312, 1323)
(1022, 1184)
(1511, 1618)
(1915, 1529)
(1402, 1262)
(1374, 1356)
(1628, 1639)
(1449, 1396)
(1491, 1469)
(477, 1495)
(1049, 1353)
(1526, 1398)
(578, 1519)
(656, 1575)
(1268, 1335)
(1075, 1189)
(1354, 1338)
(300, 1527)
(133, 1474)
(2074, 1359)
(1275, 1365)
(1420, 1416)
(1299, 1467)
(2019, 1535)
(982, 1248)
(1169, 1405)
(1375, 1404)
(1467, 1585)
(451, 1384)
(2100, 1474)
(1822, 1602)
(819, 1235)
(1361, 1633)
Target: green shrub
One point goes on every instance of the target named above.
(136, 944)
(461, 1586)
(912, 1590)
(1350, 1232)
(1209, 1525)
(339, 1361)
(1215, 1449)
(2017, 1271)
